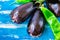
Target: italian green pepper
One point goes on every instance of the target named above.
(52, 21)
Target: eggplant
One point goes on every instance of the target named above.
(21, 13)
(36, 24)
(54, 6)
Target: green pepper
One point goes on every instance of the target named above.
(22, 1)
(52, 21)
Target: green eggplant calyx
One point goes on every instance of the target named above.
(40, 1)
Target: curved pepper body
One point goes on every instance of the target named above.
(52, 21)
(50, 17)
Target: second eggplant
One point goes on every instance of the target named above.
(36, 24)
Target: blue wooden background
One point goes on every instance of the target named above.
(13, 31)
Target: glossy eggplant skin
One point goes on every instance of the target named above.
(21, 13)
(54, 6)
(36, 24)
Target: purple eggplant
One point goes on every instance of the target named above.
(36, 24)
(21, 13)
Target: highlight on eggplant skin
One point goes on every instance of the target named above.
(36, 25)
(54, 6)
(21, 13)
